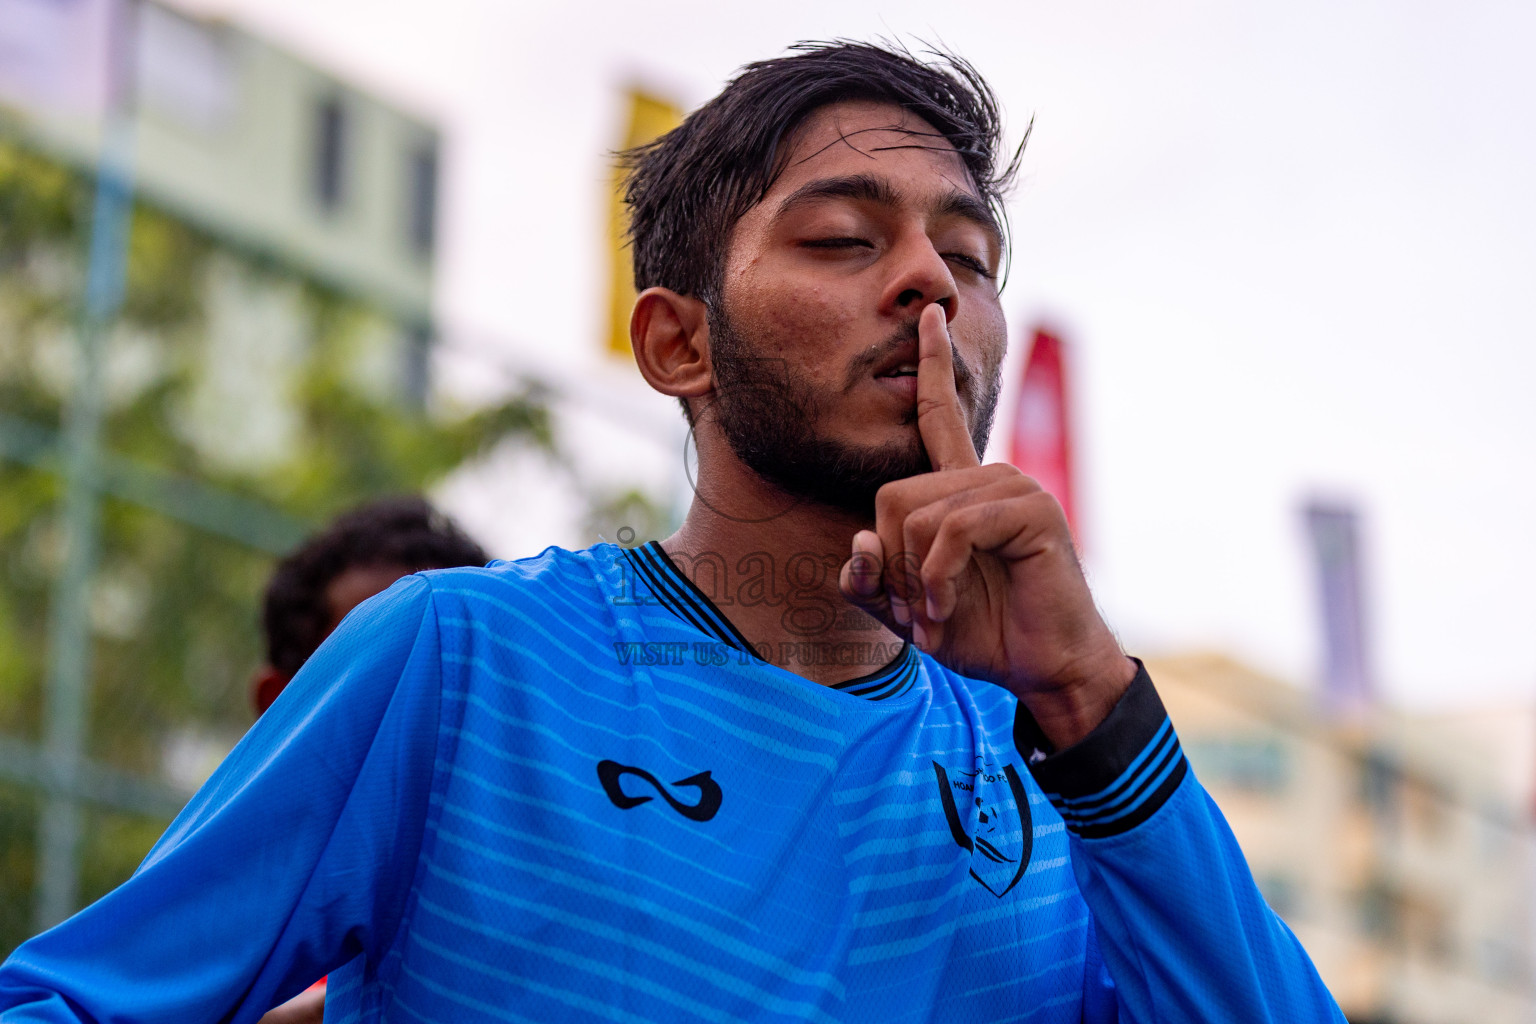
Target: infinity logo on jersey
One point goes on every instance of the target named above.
(610, 772)
(1003, 833)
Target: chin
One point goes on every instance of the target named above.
(839, 474)
(897, 443)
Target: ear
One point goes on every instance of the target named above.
(670, 336)
(265, 686)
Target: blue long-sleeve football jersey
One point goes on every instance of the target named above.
(566, 788)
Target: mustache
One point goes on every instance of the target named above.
(906, 336)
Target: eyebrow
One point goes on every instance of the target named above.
(868, 188)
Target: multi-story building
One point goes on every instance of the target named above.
(1397, 847)
(239, 137)
(298, 176)
(267, 364)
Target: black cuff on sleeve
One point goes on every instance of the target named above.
(1117, 776)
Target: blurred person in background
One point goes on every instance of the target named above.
(360, 554)
(853, 744)
(311, 591)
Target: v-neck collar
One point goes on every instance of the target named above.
(679, 595)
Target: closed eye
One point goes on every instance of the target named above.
(837, 243)
(970, 263)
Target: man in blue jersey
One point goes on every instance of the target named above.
(853, 745)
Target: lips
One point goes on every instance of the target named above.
(901, 362)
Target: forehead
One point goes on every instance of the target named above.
(860, 137)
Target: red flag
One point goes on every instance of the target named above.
(1040, 443)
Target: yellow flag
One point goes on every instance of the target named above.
(649, 118)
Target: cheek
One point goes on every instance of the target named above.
(986, 336)
(793, 321)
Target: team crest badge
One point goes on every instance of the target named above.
(987, 809)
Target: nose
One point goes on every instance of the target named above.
(921, 277)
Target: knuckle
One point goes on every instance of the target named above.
(1052, 508)
(1041, 500)
(1018, 486)
(922, 523)
(972, 516)
(888, 499)
(954, 525)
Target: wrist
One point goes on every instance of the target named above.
(1069, 711)
(1118, 775)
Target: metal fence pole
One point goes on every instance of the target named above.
(69, 637)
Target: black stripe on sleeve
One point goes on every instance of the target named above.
(1119, 774)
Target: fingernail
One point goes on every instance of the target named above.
(919, 636)
(899, 611)
(932, 604)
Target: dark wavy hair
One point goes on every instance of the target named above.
(403, 531)
(687, 190)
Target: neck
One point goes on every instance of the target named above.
(771, 564)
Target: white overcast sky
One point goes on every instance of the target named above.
(1292, 243)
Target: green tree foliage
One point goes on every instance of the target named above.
(175, 609)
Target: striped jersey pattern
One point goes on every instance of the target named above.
(1120, 774)
(878, 852)
(566, 789)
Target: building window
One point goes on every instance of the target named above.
(185, 69)
(1253, 764)
(1381, 788)
(1381, 913)
(421, 214)
(331, 132)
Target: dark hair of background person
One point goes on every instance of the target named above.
(687, 189)
(402, 531)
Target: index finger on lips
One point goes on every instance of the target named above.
(940, 420)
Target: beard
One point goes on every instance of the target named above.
(772, 415)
